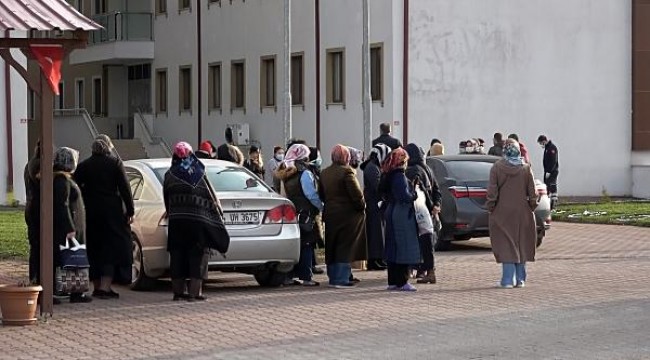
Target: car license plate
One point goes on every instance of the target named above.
(242, 218)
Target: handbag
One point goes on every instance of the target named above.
(422, 215)
(72, 281)
(219, 239)
(75, 256)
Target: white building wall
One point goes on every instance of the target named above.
(562, 68)
(18, 128)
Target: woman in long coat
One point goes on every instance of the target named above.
(374, 221)
(402, 245)
(344, 216)
(68, 208)
(511, 201)
(109, 205)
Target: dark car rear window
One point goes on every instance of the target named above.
(469, 170)
(227, 179)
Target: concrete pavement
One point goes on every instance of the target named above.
(588, 297)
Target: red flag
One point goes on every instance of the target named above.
(50, 58)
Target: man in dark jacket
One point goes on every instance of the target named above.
(386, 139)
(419, 172)
(497, 149)
(551, 167)
(223, 151)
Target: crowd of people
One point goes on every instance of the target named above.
(380, 223)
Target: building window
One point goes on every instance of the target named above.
(297, 79)
(335, 76)
(185, 92)
(376, 72)
(59, 100)
(79, 94)
(139, 72)
(214, 86)
(97, 96)
(100, 6)
(161, 6)
(161, 91)
(267, 81)
(183, 5)
(238, 85)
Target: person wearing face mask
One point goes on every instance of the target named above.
(522, 147)
(551, 167)
(272, 165)
(471, 147)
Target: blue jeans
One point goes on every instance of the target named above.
(513, 273)
(303, 268)
(339, 273)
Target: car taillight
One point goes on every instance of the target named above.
(283, 214)
(465, 192)
(461, 226)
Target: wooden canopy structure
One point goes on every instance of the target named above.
(46, 30)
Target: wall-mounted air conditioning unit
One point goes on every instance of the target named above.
(240, 134)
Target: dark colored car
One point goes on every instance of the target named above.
(463, 181)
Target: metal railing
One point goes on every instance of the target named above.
(140, 122)
(123, 26)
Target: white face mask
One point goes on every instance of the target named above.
(279, 157)
(542, 145)
(469, 149)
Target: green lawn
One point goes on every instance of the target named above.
(635, 213)
(13, 235)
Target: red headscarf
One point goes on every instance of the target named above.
(340, 155)
(397, 158)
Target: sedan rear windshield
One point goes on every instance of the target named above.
(227, 179)
(469, 170)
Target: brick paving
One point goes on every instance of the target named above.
(587, 280)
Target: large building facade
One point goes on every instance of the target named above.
(446, 69)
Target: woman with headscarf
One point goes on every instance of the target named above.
(109, 208)
(194, 214)
(272, 165)
(68, 208)
(419, 172)
(374, 223)
(401, 234)
(254, 163)
(511, 202)
(356, 157)
(301, 187)
(344, 216)
(315, 163)
(207, 150)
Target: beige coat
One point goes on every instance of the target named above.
(511, 200)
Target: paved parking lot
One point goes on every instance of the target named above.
(588, 297)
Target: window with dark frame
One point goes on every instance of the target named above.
(297, 79)
(80, 94)
(238, 85)
(161, 6)
(100, 6)
(376, 73)
(185, 88)
(335, 77)
(267, 81)
(214, 86)
(161, 91)
(183, 4)
(59, 100)
(97, 96)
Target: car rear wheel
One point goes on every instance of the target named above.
(270, 278)
(139, 279)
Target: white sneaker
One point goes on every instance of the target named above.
(521, 284)
(344, 286)
(501, 286)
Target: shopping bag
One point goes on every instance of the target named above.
(422, 215)
(73, 255)
(72, 281)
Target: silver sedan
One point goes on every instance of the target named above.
(265, 238)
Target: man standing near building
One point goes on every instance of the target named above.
(386, 139)
(551, 167)
(497, 149)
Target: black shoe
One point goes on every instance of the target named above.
(317, 270)
(80, 298)
(178, 297)
(105, 295)
(196, 298)
(376, 265)
(56, 301)
(354, 280)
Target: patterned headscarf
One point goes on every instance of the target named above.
(294, 153)
(397, 159)
(341, 155)
(381, 151)
(100, 147)
(356, 157)
(185, 165)
(512, 153)
(66, 159)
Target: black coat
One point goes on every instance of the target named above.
(109, 205)
(417, 168)
(374, 223)
(392, 142)
(68, 213)
(551, 162)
